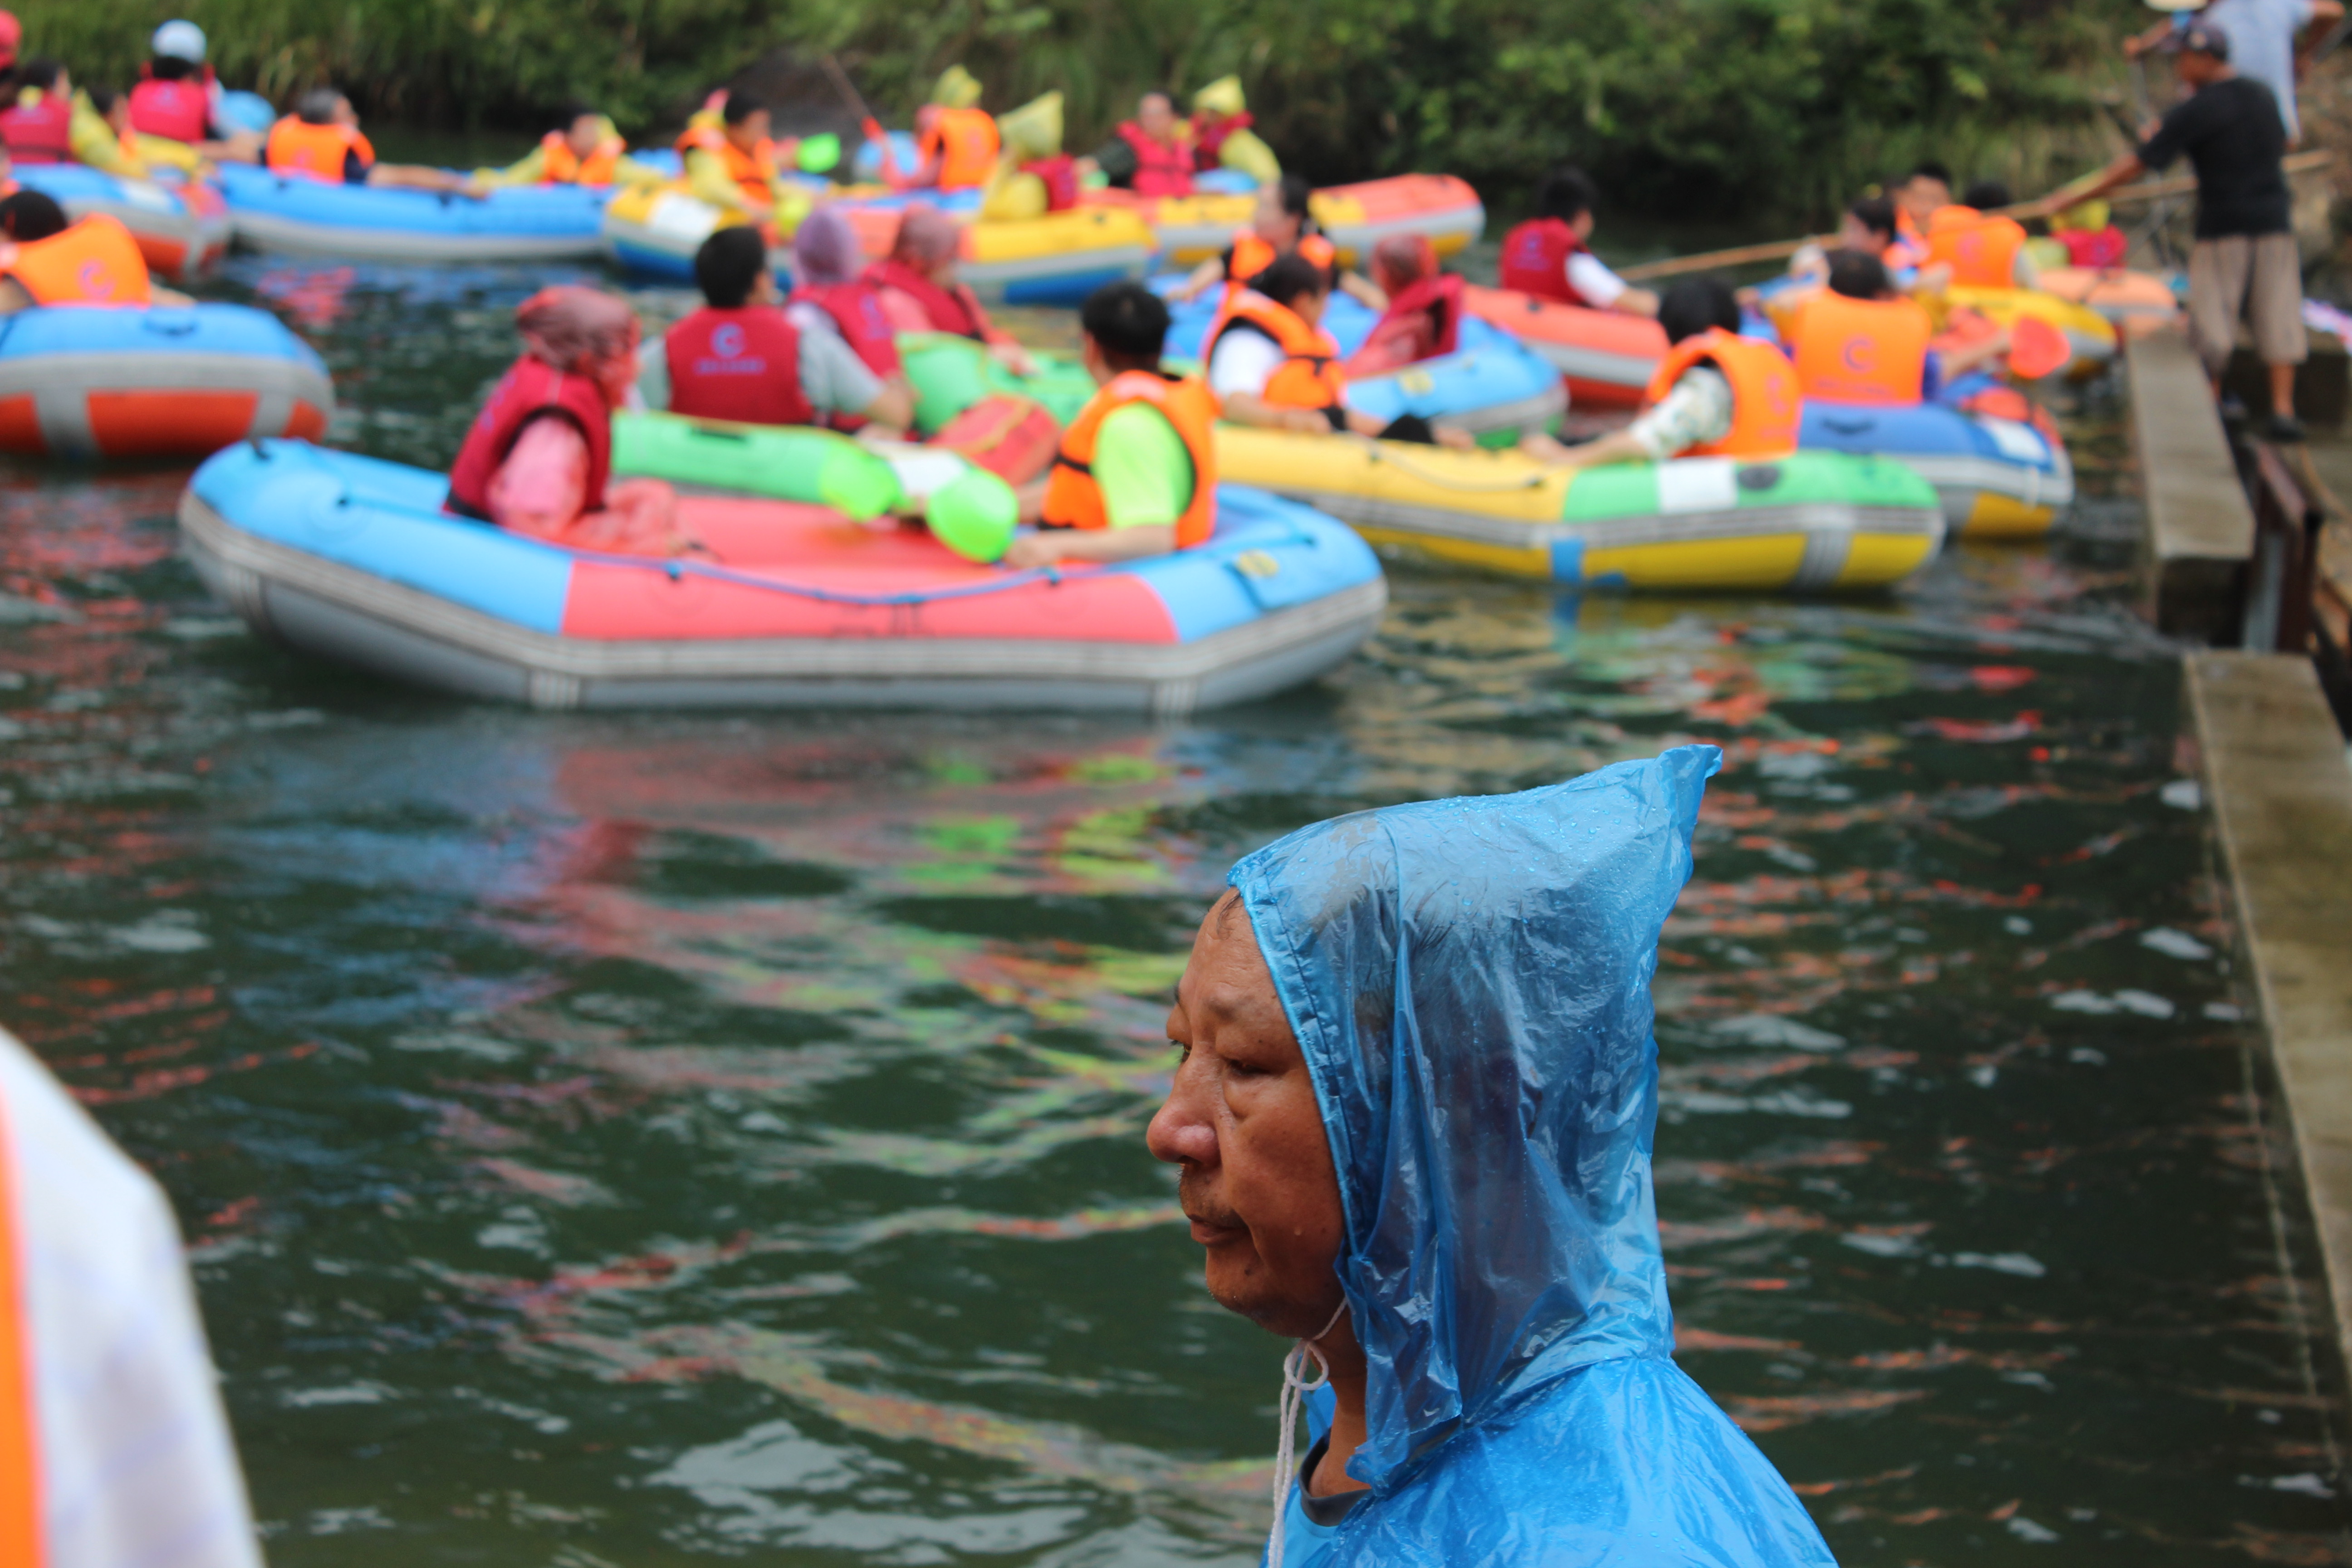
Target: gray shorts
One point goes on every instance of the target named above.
(2258, 275)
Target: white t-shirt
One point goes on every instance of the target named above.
(2261, 35)
(137, 1470)
(1589, 276)
(1244, 360)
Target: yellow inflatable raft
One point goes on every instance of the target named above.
(1808, 520)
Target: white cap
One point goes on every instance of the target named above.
(179, 41)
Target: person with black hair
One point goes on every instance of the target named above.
(1281, 223)
(50, 261)
(38, 127)
(1547, 256)
(731, 160)
(1136, 474)
(1271, 364)
(104, 140)
(322, 140)
(1151, 154)
(1972, 244)
(1927, 187)
(742, 358)
(584, 148)
(1860, 340)
(1715, 393)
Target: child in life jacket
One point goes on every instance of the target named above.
(831, 296)
(1715, 393)
(1137, 471)
(584, 149)
(1548, 258)
(956, 141)
(38, 127)
(1272, 366)
(50, 262)
(1222, 137)
(732, 160)
(741, 358)
(322, 140)
(1860, 340)
(1425, 315)
(539, 459)
(1280, 225)
(917, 284)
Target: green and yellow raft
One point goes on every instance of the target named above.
(1806, 521)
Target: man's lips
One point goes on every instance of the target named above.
(1209, 1232)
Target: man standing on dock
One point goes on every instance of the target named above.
(2244, 261)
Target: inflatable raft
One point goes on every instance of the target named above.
(950, 373)
(2090, 335)
(1191, 229)
(1494, 386)
(354, 559)
(164, 382)
(303, 216)
(1809, 521)
(1058, 260)
(1607, 357)
(1996, 479)
(180, 228)
(2121, 297)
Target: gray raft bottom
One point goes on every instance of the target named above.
(322, 607)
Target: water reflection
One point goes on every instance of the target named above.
(638, 1138)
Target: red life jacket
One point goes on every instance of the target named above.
(1423, 321)
(1535, 260)
(742, 365)
(530, 389)
(1060, 173)
(954, 309)
(42, 134)
(180, 111)
(2100, 248)
(1161, 168)
(1209, 142)
(859, 315)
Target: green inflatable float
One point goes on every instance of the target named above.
(950, 373)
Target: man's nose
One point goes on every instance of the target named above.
(1179, 1130)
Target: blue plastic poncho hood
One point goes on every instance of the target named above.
(1469, 981)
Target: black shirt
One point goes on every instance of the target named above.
(2230, 130)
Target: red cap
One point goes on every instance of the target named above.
(12, 33)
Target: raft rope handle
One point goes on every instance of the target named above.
(1294, 1390)
(1377, 453)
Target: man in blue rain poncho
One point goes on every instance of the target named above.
(1414, 1117)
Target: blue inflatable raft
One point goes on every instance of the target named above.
(785, 604)
(168, 381)
(180, 228)
(1996, 477)
(303, 216)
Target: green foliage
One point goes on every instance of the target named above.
(1787, 106)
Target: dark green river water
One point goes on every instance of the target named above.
(621, 1141)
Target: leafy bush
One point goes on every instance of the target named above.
(1785, 106)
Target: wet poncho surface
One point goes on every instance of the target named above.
(1469, 981)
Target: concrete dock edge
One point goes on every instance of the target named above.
(2200, 529)
(2280, 794)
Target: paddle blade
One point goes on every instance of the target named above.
(2036, 348)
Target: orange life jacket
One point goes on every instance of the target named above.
(93, 262)
(1981, 252)
(562, 166)
(1766, 406)
(1309, 375)
(1863, 351)
(316, 152)
(1072, 498)
(753, 171)
(965, 141)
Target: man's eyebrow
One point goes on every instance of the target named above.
(1227, 902)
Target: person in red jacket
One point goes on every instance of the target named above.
(741, 358)
(1151, 154)
(919, 293)
(831, 296)
(1424, 319)
(539, 459)
(38, 126)
(1548, 256)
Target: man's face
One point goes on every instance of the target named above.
(1923, 195)
(1156, 115)
(1241, 1123)
(583, 135)
(2195, 69)
(1855, 235)
(1270, 223)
